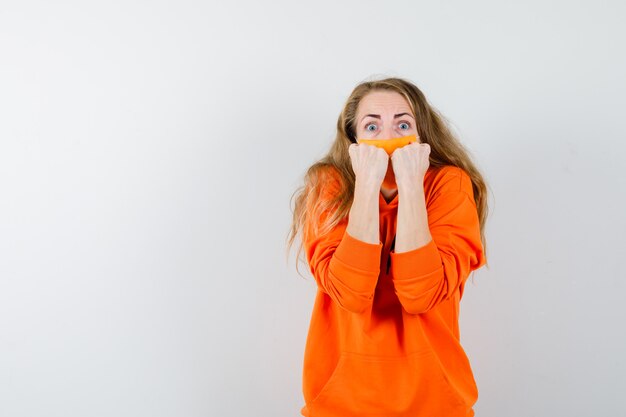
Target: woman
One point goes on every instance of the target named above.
(392, 223)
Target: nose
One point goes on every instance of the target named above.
(390, 133)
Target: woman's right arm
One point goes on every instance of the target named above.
(369, 164)
(363, 219)
(345, 267)
(346, 261)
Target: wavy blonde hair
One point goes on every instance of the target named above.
(445, 149)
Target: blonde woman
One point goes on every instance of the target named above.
(392, 223)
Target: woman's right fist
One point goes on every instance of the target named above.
(369, 163)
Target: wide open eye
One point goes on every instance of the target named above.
(367, 127)
(404, 124)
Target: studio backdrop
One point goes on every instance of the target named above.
(149, 151)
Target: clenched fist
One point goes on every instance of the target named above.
(410, 164)
(369, 163)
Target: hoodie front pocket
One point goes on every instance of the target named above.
(411, 385)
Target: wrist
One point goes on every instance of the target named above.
(367, 185)
(410, 184)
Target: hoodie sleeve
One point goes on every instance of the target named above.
(344, 267)
(425, 276)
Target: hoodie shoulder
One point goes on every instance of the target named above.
(450, 178)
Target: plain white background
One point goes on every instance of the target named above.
(149, 150)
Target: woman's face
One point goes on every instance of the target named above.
(384, 115)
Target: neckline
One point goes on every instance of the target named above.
(383, 202)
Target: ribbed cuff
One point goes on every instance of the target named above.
(357, 256)
(416, 263)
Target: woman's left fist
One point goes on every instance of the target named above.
(410, 163)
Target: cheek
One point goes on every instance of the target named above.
(411, 131)
(364, 133)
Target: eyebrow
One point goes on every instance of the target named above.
(377, 116)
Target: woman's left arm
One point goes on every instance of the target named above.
(437, 244)
(412, 229)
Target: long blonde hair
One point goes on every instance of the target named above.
(445, 149)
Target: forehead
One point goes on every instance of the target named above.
(383, 102)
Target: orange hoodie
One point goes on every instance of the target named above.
(383, 338)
